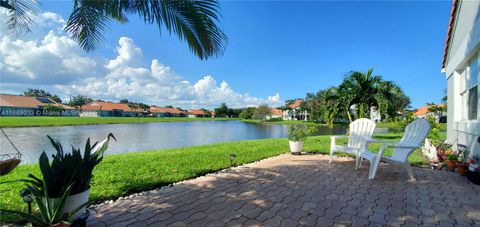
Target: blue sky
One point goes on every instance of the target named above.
(292, 48)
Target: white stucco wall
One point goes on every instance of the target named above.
(464, 45)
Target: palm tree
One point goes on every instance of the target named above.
(361, 87)
(365, 90)
(195, 21)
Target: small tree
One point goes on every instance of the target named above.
(79, 101)
(206, 112)
(262, 112)
(124, 101)
(222, 111)
(41, 93)
(247, 113)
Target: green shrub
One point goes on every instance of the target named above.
(452, 157)
(297, 133)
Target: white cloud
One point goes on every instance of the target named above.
(55, 60)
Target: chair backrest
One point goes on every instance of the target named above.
(362, 127)
(415, 133)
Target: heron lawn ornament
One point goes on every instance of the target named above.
(9, 161)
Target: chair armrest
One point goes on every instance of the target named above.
(368, 141)
(393, 144)
(404, 145)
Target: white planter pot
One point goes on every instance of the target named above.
(74, 201)
(296, 147)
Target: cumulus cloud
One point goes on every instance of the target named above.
(56, 60)
(51, 58)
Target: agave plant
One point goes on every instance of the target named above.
(50, 209)
(70, 168)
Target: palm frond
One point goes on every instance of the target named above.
(196, 22)
(20, 14)
(87, 23)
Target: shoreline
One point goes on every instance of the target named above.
(26, 122)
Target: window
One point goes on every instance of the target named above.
(469, 89)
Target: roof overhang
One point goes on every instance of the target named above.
(449, 33)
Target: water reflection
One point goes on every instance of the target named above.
(140, 137)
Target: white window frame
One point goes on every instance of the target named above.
(465, 87)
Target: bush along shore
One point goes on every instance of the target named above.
(125, 174)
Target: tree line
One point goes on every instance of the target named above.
(354, 98)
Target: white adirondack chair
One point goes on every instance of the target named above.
(360, 130)
(413, 136)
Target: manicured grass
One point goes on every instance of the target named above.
(124, 174)
(58, 121)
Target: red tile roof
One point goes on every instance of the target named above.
(296, 104)
(449, 31)
(424, 110)
(109, 106)
(28, 101)
(165, 110)
(276, 111)
(196, 112)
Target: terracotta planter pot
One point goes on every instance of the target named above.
(462, 169)
(451, 164)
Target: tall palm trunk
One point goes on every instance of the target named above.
(349, 115)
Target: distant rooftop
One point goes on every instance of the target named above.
(7, 100)
(109, 106)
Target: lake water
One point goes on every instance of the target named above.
(32, 141)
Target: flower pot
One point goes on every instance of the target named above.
(451, 164)
(296, 147)
(61, 225)
(74, 201)
(461, 169)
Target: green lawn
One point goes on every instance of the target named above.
(124, 174)
(58, 121)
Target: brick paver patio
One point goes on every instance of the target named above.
(302, 191)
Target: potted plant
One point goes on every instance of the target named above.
(461, 163)
(462, 168)
(452, 161)
(297, 135)
(473, 173)
(72, 169)
(442, 149)
(50, 210)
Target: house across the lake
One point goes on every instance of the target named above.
(166, 112)
(275, 113)
(461, 63)
(425, 111)
(197, 113)
(109, 109)
(293, 112)
(18, 105)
